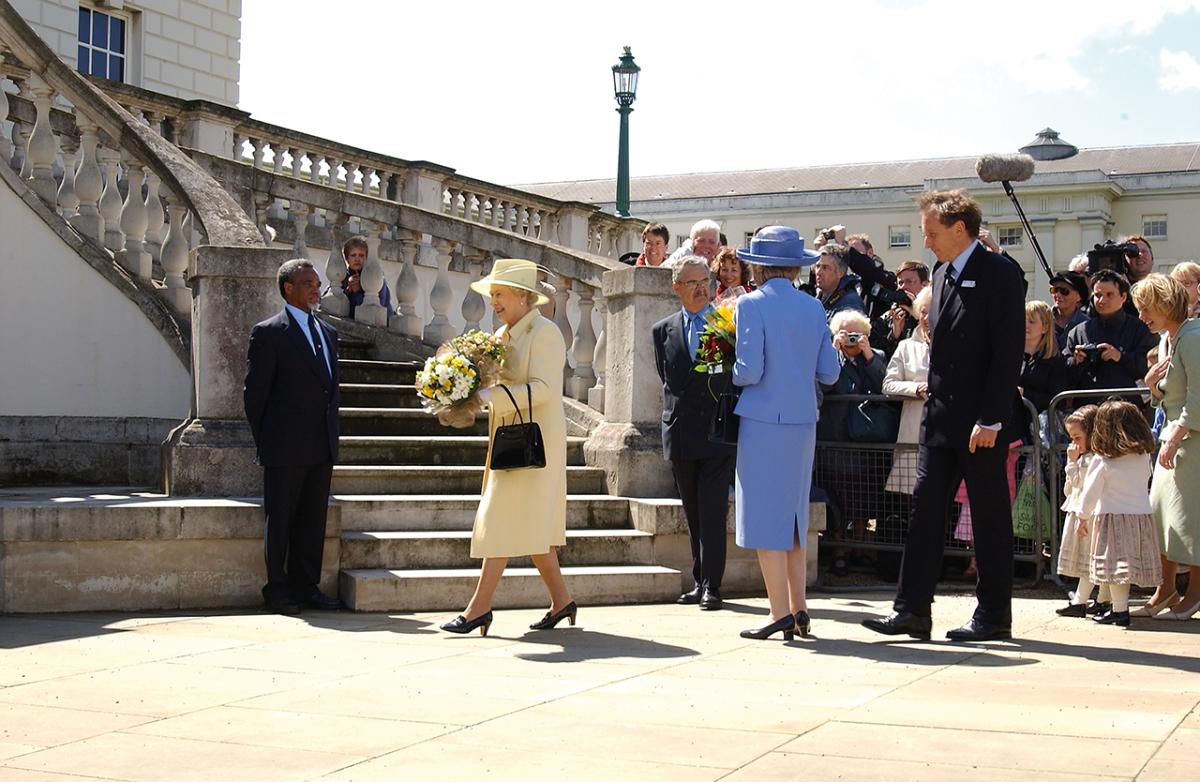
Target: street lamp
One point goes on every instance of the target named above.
(625, 79)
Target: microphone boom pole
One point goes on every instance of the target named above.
(1037, 248)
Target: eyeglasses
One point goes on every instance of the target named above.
(1061, 291)
(695, 283)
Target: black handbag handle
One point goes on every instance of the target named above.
(517, 407)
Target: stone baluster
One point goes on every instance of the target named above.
(595, 398)
(334, 301)
(562, 295)
(476, 204)
(110, 199)
(454, 196)
(348, 184)
(535, 222)
(439, 328)
(473, 305)
(314, 168)
(297, 156)
(133, 257)
(190, 234)
(525, 221)
(298, 213)
(259, 148)
(408, 288)
(485, 217)
(261, 203)
(276, 210)
(88, 184)
(174, 258)
(155, 218)
(42, 147)
(499, 213)
(548, 230)
(584, 346)
(5, 144)
(371, 279)
(239, 145)
(365, 186)
(385, 183)
(68, 202)
(333, 171)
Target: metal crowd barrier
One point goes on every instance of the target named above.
(1059, 441)
(868, 488)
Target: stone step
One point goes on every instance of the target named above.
(364, 371)
(452, 549)
(414, 512)
(379, 395)
(401, 479)
(470, 450)
(450, 589)
(373, 421)
(355, 349)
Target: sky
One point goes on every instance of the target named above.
(522, 92)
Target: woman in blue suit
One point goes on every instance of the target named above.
(783, 350)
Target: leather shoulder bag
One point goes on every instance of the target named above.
(518, 446)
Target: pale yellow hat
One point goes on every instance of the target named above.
(514, 273)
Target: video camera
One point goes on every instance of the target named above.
(1112, 256)
(888, 297)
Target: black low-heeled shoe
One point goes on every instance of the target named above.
(461, 626)
(550, 621)
(1072, 609)
(803, 623)
(787, 624)
(1110, 617)
(1095, 608)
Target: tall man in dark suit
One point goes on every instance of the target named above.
(703, 470)
(291, 397)
(977, 319)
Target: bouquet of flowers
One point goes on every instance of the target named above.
(448, 382)
(716, 351)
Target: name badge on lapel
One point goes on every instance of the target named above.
(968, 283)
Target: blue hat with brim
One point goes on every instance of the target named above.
(777, 245)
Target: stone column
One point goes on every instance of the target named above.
(572, 222)
(424, 187)
(1093, 229)
(628, 445)
(213, 453)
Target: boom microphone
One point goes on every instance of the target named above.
(1004, 168)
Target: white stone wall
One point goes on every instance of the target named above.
(74, 345)
(185, 48)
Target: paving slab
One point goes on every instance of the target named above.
(654, 692)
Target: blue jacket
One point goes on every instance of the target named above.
(844, 298)
(783, 350)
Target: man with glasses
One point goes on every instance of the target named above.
(702, 470)
(1142, 264)
(1070, 293)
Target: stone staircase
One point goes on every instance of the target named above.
(408, 489)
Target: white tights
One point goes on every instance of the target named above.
(1084, 591)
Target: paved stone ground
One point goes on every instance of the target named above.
(657, 692)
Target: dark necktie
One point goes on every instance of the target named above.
(947, 286)
(318, 348)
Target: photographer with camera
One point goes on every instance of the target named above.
(1142, 264)
(1108, 350)
(837, 288)
(899, 321)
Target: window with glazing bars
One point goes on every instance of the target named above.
(101, 44)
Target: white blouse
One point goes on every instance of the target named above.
(1118, 485)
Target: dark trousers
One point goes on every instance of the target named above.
(939, 472)
(295, 499)
(703, 486)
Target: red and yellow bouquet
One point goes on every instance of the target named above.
(716, 352)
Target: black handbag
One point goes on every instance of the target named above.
(724, 426)
(518, 446)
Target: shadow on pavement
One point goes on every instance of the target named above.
(580, 645)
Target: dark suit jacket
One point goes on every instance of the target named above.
(688, 404)
(291, 406)
(975, 355)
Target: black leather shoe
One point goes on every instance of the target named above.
(1110, 617)
(1095, 609)
(787, 625)
(550, 621)
(461, 626)
(691, 598)
(1072, 609)
(978, 630)
(803, 623)
(318, 599)
(711, 600)
(283, 605)
(901, 623)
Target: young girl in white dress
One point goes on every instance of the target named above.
(1115, 507)
(1075, 551)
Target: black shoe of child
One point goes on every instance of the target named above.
(1072, 609)
(1095, 609)
(1119, 618)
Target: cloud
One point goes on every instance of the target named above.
(1181, 72)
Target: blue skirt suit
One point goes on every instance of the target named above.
(783, 350)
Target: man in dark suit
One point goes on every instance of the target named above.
(977, 322)
(291, 398)
(703, 470)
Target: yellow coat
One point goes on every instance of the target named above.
(524, 512)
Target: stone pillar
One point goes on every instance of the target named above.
(628, 445)
(210, 131)
(572, 222)
(424, 188)
(1093, 229)
(213, 453)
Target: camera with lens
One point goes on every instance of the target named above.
(1112, 256)
(854, 338)
(889, 297)
(829, 234)
(1091, 351)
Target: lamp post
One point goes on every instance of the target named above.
(625, 79)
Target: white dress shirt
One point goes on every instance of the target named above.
(302, 318)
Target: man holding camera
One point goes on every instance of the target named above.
(1108, 350)
(1142, 264)
(898, 322)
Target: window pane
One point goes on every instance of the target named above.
(85, 25)
(83, 60)
(116, 35)
(99, 64)
(100, 31)
(116, 68)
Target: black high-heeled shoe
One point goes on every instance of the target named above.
(550, 621)
(461, 626)
(803, 623)
(786, 624)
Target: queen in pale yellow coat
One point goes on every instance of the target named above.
(523, 512)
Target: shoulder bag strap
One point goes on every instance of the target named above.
(515, 405)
